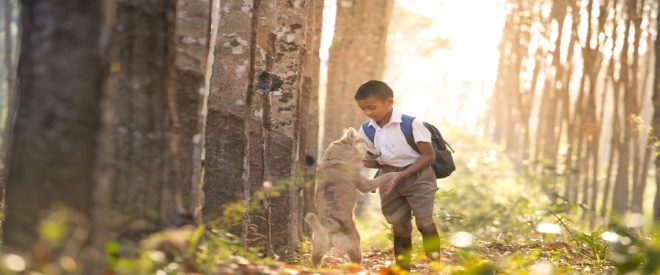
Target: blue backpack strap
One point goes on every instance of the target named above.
(406, 128)
(406, 124)
(369, 131)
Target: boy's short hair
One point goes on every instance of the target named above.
(374, 88)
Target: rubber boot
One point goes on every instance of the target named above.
(431, 242)
(402, 251)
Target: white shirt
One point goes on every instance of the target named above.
(391, 143)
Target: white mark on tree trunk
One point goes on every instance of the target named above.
(290, 37)
(197, 138)
(246, 170)
(239, 102)
(346, 3)
(237, 50)
(247, 7)
(240, 69)
(241, 41)
(259, 113)
(188, 40)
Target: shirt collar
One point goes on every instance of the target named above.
(395, 118)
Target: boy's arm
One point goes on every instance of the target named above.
(427, 156)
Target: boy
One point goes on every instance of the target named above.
(411, 192)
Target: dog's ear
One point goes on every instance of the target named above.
(350, 134)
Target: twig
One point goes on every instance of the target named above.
(565, 226)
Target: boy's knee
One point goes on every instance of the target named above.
(402, 229)
(424, 221)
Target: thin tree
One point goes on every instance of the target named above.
(656, 119)
(10, 83)
(628, 74)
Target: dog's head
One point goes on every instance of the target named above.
(350, 148)
(352, 137)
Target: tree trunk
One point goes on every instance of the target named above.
(10, 78)
(616, 124)
(225, 137)
(620, 200)
(287, 153)
(253, 132)
(190, 45)
(311, 93)
(57, 121)
(500, 98)
(550, 126)
(593, 57)
(642, 151)
(571, 117)
(146, 137)
(614, 140)
(656, 121)
(357, 55)
(203, 108)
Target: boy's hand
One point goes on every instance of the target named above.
(386, 188)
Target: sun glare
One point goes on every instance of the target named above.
(449, 83)
(442, 83)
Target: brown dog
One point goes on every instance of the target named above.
(336, 196)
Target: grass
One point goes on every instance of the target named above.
(491, 221)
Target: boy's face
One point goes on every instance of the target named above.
(376, 109)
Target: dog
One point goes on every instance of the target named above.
(339, 179)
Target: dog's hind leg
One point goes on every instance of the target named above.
(355, 255)
(350, 244)
(321, 246)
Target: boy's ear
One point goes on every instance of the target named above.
(390, 102)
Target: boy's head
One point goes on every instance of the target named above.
(375, 89)
(375, 99)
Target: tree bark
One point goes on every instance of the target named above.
(145, 123)
(253, 133)
(656, 121)
(311, 86)
(226, 142)
(616, 124)
(642, 151)
(57, 122)
(550, 126)
(356, 55)
(186, 100)
(620, 200)
(11, 95)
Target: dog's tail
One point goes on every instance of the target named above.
(321, 225)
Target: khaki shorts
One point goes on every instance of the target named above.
(414, 196)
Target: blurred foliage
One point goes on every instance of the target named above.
(492, 221)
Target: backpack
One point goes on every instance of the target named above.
(443, 164)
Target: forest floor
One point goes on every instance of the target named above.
(560, 258)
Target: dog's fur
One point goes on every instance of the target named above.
(336, 197)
